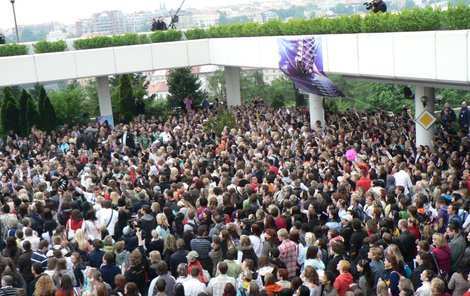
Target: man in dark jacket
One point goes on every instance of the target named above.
(179, 256)
(379, 6)
(464, 117)
(24, 262)
(109, 269)
(406, 242)
(147, 223)
(337, 250)
(355, 243)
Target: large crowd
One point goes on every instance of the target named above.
(267, 207)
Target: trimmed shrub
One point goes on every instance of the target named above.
(165, 36)
(94, 42)
(196, 34)
(47, 46)
(13, 49)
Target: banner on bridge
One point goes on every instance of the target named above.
(302, 61)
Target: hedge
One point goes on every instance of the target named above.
(46, 46)
(13, 49)
(426, 19)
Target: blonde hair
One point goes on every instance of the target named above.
(80, 238)
(245, 241)
(108, 240)
(395, 251)
(114, 197)
(382, 289)
(344, 265)
(155, 257)
(44, 286)
(439, 240)
(162, 219)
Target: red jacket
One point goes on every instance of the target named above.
(273, 288)
(364, 183)
(342, 283)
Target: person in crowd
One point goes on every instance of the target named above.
(217, 284)
(345, 279)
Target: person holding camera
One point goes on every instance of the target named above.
(379, 5)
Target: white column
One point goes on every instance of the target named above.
(232, 86)
(315, 107)
(104, 96)
(423, 136)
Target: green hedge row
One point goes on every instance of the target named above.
(13, 49)
(427, 19)
(46, 46)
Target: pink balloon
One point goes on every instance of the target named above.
(351, 154)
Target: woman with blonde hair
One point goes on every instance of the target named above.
(82, 242)
(163, 227)
(44, 286)
(403, 268)
(169, 247)
(441, 252)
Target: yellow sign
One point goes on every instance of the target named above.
(426, 119)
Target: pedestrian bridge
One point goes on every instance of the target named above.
(434, 58)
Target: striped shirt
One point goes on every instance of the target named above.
(39, 257)
(202, 246)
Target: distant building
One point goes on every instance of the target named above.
(106, 22)
(56, 36)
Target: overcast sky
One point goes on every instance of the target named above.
(68, 11)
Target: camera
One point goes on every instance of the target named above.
(368, 5)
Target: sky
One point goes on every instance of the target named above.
(68, 11)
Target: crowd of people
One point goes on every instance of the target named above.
(270, 206)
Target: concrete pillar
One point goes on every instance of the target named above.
(315, 107)
(232, 86)
(423, 136)
(104, 96)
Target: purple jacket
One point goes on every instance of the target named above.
(443, 257)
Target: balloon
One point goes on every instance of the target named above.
(351, 154)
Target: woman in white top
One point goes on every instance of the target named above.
(90, 226)
(425, 289)
(255, 239)
(313, 258)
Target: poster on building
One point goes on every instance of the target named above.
(302, 61)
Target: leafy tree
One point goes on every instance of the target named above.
(25, 96)
(182, 83)
(69, 103)
(278, 101)
(216, 84)
(47, 115)
(32, 115)
(127, 106)
(9, 112)
(252, 85)
(218, 122)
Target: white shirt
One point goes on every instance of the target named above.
(192, 287)
(424, 290)
(34, 240)
(402, 178)
(217, 285)
(104, 216)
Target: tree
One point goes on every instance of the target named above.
(9, 112)
(47, 115)
(216, 85)
(32, 115)
(126, 98)
(22, 110)
(182, 83)
(69, 103)
(252, 85)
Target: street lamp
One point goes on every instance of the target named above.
(16, 25)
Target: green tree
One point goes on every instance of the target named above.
(126, 98)
(252, 85)
(25, 96)
(69, 103)
(9, 112)
(47, 115)
(32, 115)
(216, 84)
(182, 83)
